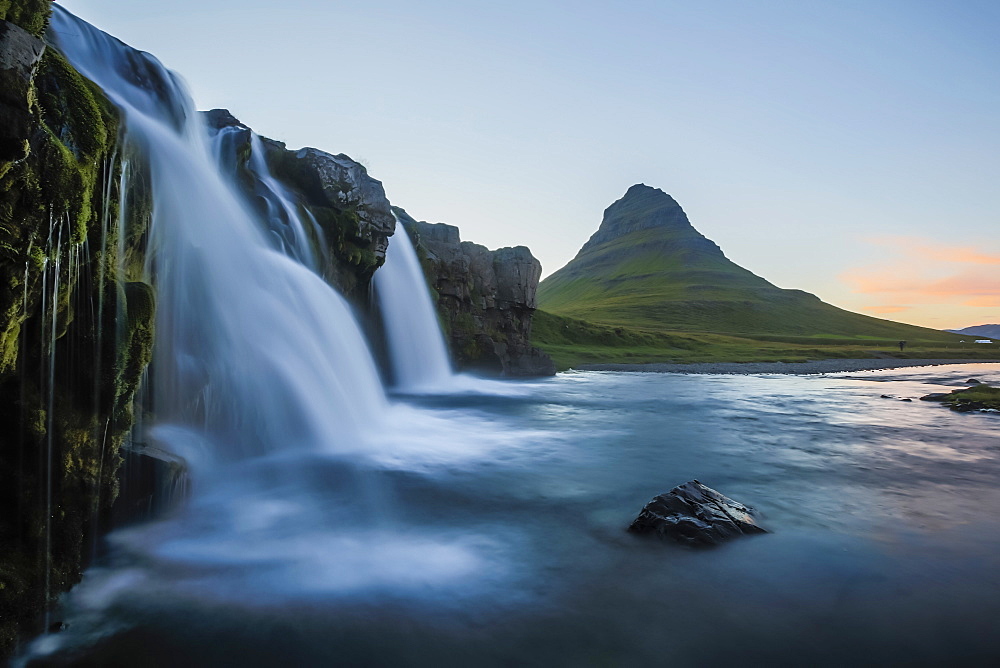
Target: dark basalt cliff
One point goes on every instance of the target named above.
(76, 318)
(485, 299)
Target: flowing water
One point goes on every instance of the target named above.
(254, 352)
(503, 542)
(332, 525)
(417, 349)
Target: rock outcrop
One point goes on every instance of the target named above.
(350, 208)
(696, 515)
(20, 52)
(979, 397)
(485, 299)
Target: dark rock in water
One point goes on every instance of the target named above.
(935, 396)
(887, 396)
(696, 515)
(152, 481)
(973, 381)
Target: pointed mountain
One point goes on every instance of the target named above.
(647, 267)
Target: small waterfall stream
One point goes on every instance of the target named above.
(419, 357)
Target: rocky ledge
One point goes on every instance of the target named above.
(348, 205)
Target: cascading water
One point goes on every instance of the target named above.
(253, 350)
(416, 345)
(265, 385)
(417, 349)
(282, 214)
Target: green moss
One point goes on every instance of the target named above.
(73, 161)
(32, 15)
(340, 222)
(135, 350)
(974, 398)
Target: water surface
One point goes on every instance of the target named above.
(489, 530)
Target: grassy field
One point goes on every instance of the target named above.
(572, 342)
(676, 280)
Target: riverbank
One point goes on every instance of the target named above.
(794, 368)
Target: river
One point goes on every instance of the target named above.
(490, 531)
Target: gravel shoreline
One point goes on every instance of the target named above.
(795, 368)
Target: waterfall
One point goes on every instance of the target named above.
(282, 214)
(254, 352)
(416, 347)
(262, 380)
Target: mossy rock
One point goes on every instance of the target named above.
(63, 194)
(32, 15)
(980, 397)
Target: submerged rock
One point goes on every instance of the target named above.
(696, 515)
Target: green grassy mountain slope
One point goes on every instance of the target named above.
(647, 267)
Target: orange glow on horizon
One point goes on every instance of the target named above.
(931, 282)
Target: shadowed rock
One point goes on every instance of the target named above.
(696, 515)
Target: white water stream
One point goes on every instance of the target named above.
(419, 357)
(263, 382)
(254, 351)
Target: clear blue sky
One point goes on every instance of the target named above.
(848, 148)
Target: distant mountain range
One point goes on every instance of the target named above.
(987, 331)
(647, 267)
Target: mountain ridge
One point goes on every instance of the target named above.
(991, 331)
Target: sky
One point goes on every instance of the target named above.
(848, 148)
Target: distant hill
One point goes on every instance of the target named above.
(987, 331)
(647, 267)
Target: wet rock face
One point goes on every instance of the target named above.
(349, 206)
(696, 515)
(485, 298)
(152, 482)
(70, 366)
(346, 183)
(19, 55)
